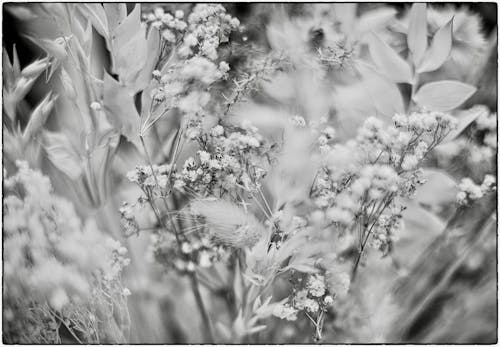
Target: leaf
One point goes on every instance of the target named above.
(23, 13)
(439, 50)
(128, 28)
(95, 12)
(120, 108)
(443, 95)
(388, 61)
(384, 94)
(439, 189)
(465, 118)
(417, 31)
(62, 154)
(373, 20)
(421, 227)
(39, 116)
(115, 14)
(129, 48)
(153, 49)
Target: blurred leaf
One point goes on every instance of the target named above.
(238, 287)
(388, 61)
(375, 19)
(438, 190)
(420, 228)
(465, 118)
(384, 94)
(417, 31)
(95, 12)
(443, 95)
(439, 50)
(120, 108)
(62, 154)
(21, 12)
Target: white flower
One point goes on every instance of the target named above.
(95, 106)
(204, 156)
(410, 162)
(217, 130)
(299, 121)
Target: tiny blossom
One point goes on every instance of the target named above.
(95, 106)
(298, 121)
(217, 130)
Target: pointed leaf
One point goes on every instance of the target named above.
(443, 95)
(95, 12)
(153, 54)
(439, 50)
(16, 66)
(120, 108)
(128, 28)
(384, 93)
(62, 154)
(466, 118)
(115, 13)
(388, 61)
(417, 31)
(39, 116)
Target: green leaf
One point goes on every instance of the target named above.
(443, 95)
(388, 61)
(62, 154)
(417, 31)
(95, 12)
(120, 108)
(439, 50)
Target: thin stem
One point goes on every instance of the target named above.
(201, 307)
(192, 276)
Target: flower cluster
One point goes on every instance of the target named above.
(51, 261)
(478, 153)
(469, 191)
(187, 252)
(206, 27)
(170, 25)
(231, 159)
(309, 294)
(361, 178)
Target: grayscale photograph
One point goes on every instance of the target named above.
(249, 173)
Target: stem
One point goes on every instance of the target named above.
(199, 301)
(193, 278)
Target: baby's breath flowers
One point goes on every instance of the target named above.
(360, 180)
(470, 191)
(57, 269)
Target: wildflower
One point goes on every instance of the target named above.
(95, 106)
(299, 121)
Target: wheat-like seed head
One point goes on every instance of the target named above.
(228, 223)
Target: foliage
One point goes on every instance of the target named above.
(291, 184)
